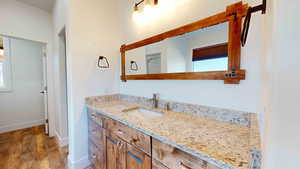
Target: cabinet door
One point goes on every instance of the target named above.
(136, 159)
(115, 153)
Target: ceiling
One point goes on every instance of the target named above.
(45, 5)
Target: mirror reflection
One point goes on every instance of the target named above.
(199, 51)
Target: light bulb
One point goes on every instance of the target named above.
(148, 9)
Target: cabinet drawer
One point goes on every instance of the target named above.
(136, 159)
(130, 135)
(97, 156)
(97, 118)
(96, 134)
(174, 158)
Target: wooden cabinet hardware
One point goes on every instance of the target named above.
(135, 157)
(184, 166)
(120, 132)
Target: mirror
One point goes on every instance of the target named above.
(208, 49)
(199, 51)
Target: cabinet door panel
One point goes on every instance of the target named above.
(136, 159)
(115, 153)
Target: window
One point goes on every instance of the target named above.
(210, 65)
(211, 58)
(5, 66)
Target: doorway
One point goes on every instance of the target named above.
(23, 84)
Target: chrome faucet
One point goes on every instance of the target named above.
(155, 100)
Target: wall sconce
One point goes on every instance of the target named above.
(103, 62)
(148, 3)
(134, 66)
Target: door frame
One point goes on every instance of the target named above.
(44, 89)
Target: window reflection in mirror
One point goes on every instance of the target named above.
(199, 51)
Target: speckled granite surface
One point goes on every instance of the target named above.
(221, 142)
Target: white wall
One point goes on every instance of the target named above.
(176, 53)
(92, 30)
(282, 138)
(245, 96)
(27, 22)
(23, 106)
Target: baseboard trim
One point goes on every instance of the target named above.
(23, 125)
(80, 164)
(62, 142)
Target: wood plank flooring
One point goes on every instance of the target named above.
(31, 149)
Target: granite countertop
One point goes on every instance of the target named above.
(223, 144)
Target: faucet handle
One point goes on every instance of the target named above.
(156, 95)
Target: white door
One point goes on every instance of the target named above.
(153, 63)
(44, 90)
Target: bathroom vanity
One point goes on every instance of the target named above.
(126, 132)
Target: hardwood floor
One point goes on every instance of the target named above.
(31, 149)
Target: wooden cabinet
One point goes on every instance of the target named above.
(113, 145)
(136, 159)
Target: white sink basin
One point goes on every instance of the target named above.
(146, 112)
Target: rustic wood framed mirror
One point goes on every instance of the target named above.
(173, 55)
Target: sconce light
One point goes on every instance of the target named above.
(148, 3)
(134, 66)
(103, 62)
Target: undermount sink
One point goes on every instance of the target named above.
(146, 112)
